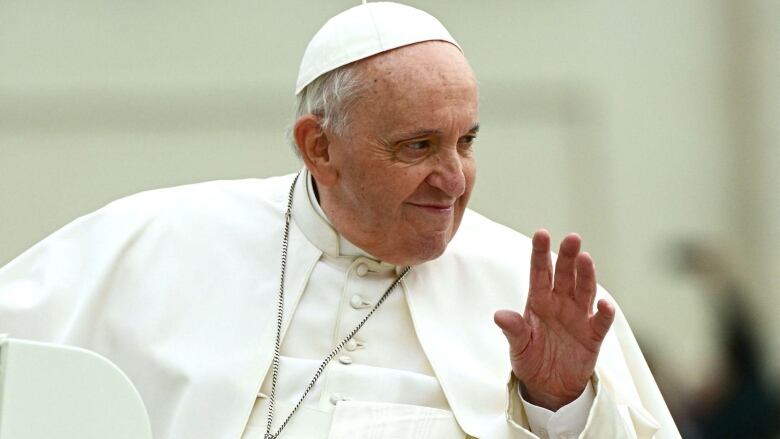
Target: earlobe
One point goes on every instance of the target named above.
(314, 146)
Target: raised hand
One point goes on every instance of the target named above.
(554, 345)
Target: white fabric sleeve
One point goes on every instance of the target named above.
(609, 416)
(568, 422)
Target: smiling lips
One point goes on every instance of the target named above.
(434, 208)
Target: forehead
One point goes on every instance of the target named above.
(431, 64)
(419, 84)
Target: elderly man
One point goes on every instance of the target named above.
(357, 298)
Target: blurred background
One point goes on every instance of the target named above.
(651, 128)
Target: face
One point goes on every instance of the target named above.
(404, 166)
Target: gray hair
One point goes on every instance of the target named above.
(330, 97)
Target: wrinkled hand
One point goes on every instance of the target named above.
(553, 347)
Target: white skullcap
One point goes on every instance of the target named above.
(363, 31)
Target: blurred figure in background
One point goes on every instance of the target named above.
(740, 402)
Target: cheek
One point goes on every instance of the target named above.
(413, 183)
(470, 174)
(358, 180)
(375, 195)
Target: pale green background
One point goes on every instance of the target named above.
(632, 122)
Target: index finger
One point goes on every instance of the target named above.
(541, 263)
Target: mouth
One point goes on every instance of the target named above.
(434, 207)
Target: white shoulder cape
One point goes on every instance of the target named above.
(177, 286)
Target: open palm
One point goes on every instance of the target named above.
(554, 345)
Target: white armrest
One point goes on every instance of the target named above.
(54, 391)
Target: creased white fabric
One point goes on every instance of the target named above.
(392, 421)
(568, 422)
(383, 363)
(178, 286)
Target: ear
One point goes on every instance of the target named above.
(314, 146)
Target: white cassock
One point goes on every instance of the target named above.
(178, 287)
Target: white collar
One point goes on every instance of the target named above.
(315, 225)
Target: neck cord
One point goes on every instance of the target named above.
(280, 320)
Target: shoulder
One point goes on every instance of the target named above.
(207, 197)
(228, 202)
(195, 210)
(482, 239)
(483, 256)
(484, 247)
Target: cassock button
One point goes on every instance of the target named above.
(351, 345)
(362, 270)
(335, 398)
(345, 359)
(357, 302)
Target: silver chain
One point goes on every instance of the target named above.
(280, 320)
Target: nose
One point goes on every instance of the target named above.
(447, 174)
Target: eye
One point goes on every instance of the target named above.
(419, 145)
(466, 143)
(469, 139)
(414, 150)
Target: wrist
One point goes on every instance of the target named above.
(546, 399)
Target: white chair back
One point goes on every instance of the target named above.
(52, 391)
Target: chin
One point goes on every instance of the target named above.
(418, 248)
(423, 252)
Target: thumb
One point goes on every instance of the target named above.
(516, 330)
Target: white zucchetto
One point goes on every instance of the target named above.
(363, 31)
